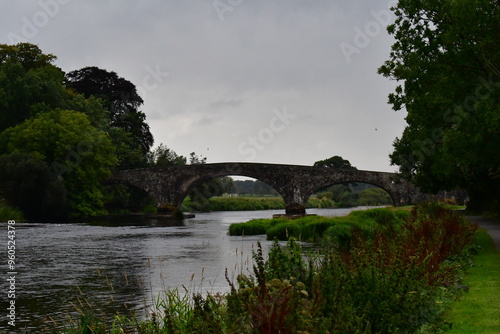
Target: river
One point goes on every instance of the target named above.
(108, 263)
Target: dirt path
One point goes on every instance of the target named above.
(493, 227)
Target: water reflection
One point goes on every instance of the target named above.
(118, 264)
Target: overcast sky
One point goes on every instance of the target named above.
(285, 81)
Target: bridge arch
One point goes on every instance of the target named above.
(327, 177)
(374, 186)
(194, 183)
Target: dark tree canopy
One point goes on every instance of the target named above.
(447, 58)
(335, 162)
(29, 184)
(120, 98)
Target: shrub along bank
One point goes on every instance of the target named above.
(332, 230)
(380, 271)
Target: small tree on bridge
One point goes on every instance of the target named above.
(335, 162)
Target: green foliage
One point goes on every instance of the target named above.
(314, 229)
(245, 203)
(335, 162)
(446, 55)
(29, 83)
(320, 202)
(335, 231)
(79, 154)
(120, 198)
(342, 195)
(163, 156)
(381, 216)
(482, 298)
(29, 184)
(121, 99)
(8, 212)
(42, 113)
(288, 263)
(253, 187)
(374, 196)
(253, 227)
(284, 231)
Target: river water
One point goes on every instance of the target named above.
(115, 264)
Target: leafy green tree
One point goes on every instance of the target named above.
(79, 154)
(28, 55)
(129, 130)
(163, 156)
(29, 184)
(342, 195)
(447, 56)
(261, 188)
(243, 187)
(374, 196)
(335, 162)
(29, 83)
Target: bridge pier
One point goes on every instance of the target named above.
(295, 209)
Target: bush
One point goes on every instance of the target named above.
(285, 230)
(314, 230)
(254, 226)
(374, 196)
(339, 235)
(9, 213)
(29, 184)
(380, 216)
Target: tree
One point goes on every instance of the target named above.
(29, 184)
(163, 156)
(29, 83)
(131, 133)
(335, 162)
(79, 154)
(28, 55)
(447, 56)
(374, 196)
(261, 188)
(195, 159)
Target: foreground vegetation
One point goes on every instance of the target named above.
(388, 272)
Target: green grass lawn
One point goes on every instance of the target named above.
(478, 311)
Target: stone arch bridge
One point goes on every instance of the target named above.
(171, 184)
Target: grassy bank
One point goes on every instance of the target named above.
(390, 277)
(332, 230)
(478, 311)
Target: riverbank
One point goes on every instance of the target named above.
(380, 279)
